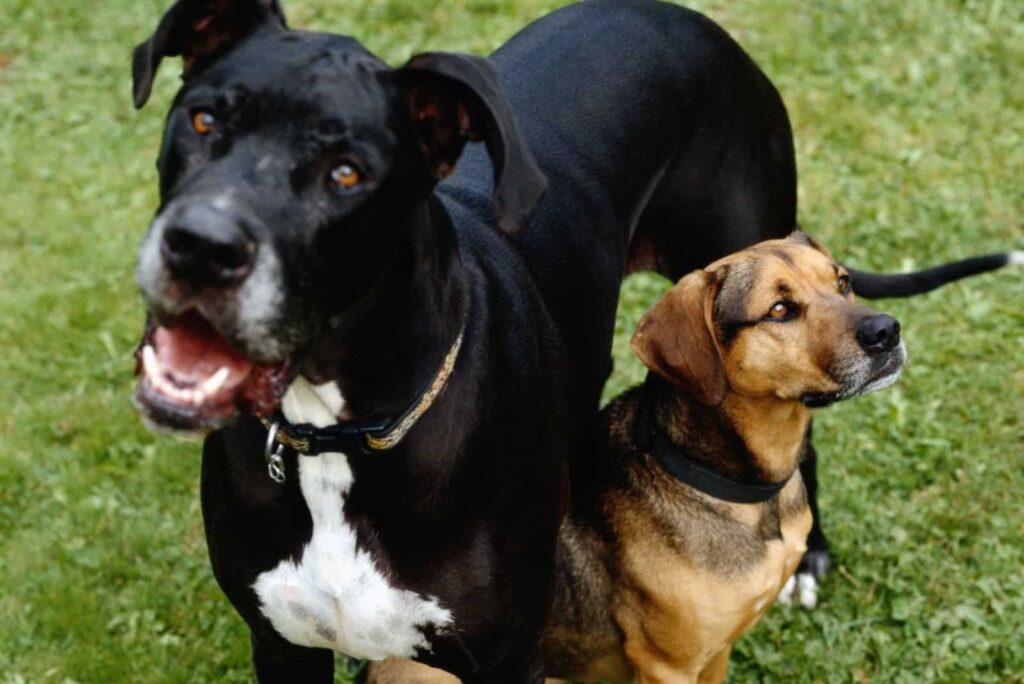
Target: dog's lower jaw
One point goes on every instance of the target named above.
(890, 377)
(882, 378)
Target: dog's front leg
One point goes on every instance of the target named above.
(279, 662)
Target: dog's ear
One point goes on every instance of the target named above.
(454, 98)
(675, 339)
(798, 237)
(196, 29)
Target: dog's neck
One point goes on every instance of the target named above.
(391, 343)
(755, 440)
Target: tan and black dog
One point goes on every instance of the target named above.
(692, 515)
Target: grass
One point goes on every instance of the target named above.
(909, 119)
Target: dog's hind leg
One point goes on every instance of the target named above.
(278, 662)
(726, 188)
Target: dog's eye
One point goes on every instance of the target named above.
(843, 283)
(203, 121)
(345, 176)
(781, 310)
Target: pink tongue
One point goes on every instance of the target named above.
(193, 351)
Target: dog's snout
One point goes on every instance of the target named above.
(207, 246)
(879, 333)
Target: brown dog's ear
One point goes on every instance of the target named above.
(454, 98)
(196, 29)
(798, 237)
(675, 339)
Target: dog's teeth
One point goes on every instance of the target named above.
(161, 383)
(149, 362)
(212, 384)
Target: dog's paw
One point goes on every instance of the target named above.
(801, 589)
(815, 563)
(785, 596)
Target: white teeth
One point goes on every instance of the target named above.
(194, 396)
(150, 363)
(215, 382)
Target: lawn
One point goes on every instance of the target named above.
(909, 119)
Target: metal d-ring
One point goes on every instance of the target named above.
(274, 458)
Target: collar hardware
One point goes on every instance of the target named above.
(274, 458)
(354, 436)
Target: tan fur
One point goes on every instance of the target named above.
(658, 580)
(680, 619)
(674, 339)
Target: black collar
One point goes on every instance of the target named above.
(354, 436)
(684, 468)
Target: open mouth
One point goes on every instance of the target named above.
(192, 379)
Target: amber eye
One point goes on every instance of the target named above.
(345, 176)
(203, 121)
(780, 310)
(844, 283)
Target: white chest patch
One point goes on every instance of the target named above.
(335, 597)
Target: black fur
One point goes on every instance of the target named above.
(664, 148)
(882, 285)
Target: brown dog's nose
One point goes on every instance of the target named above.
(207, 247)
(878, 333)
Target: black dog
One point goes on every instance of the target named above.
(440, 351)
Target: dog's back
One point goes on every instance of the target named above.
(645, 117)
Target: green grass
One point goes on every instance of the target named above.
(909, 119)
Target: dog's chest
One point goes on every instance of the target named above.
(334, 596)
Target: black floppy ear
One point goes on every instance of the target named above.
(454, 98)
(196, 29)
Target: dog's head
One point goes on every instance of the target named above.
(776, 320)
(295, 173)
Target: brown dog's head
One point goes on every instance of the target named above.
(775, 320)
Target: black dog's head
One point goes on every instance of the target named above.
(295, 167)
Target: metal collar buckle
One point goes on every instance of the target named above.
(355, 436)
(274, 457)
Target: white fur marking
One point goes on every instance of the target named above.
(150, 265)
(1015, 258)
(222, 202)
(807, 590)
(801, 588)
(259, 300)
(786, 595)
(335, 597)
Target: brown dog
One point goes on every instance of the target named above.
(692, 515)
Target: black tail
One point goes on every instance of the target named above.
(882, 285)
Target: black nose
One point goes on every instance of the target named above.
(207, 246)
(878, 333)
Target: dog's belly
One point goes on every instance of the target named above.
(334, 596)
